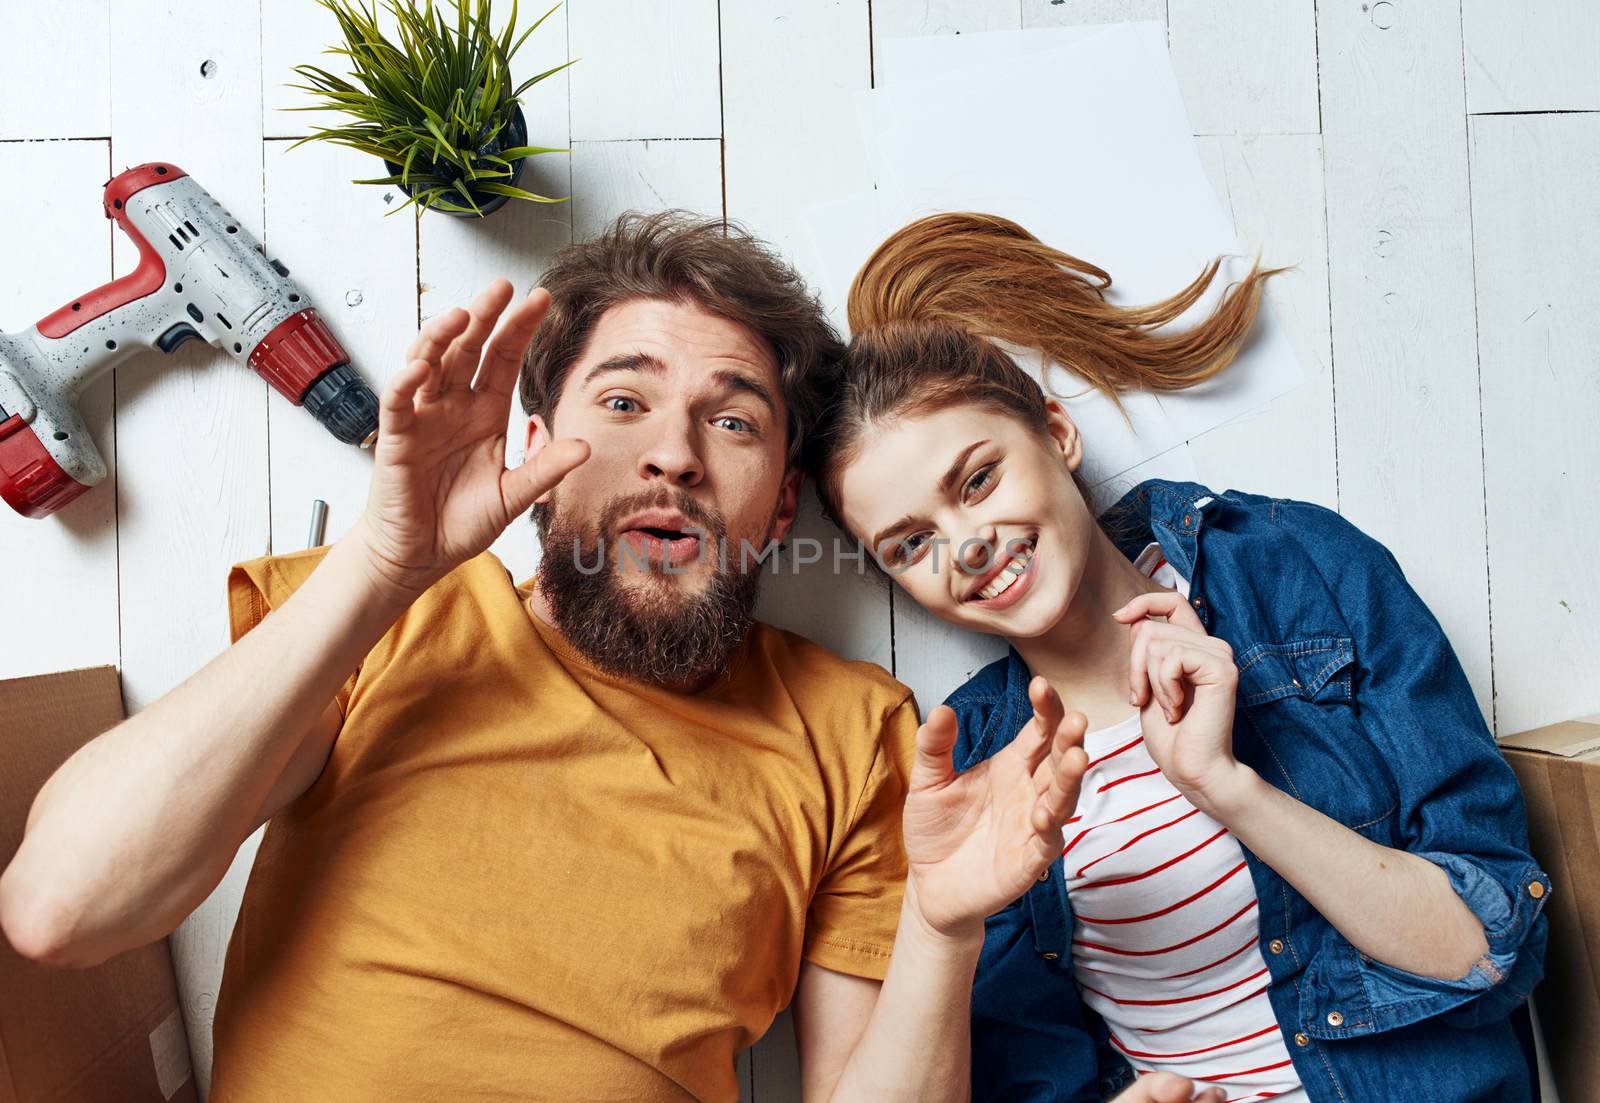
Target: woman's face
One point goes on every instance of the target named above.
(974, 514)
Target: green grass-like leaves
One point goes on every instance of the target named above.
(434, 103)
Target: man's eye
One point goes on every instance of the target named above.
(735, 424)
(620, 404)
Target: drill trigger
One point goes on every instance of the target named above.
(175, 336)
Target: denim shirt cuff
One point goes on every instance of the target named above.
(1377, 997)
(1507, 911)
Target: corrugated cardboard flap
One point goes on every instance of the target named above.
(1578, 738)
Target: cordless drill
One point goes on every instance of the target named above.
(201, 274)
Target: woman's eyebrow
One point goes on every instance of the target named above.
(946, 481)
(949, 478)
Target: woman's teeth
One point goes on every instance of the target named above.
(1001, 582)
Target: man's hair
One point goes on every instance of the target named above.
(679, 257)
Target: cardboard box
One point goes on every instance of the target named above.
(111, 1034)
(1559, 768)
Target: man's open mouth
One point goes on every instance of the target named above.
(655, 545)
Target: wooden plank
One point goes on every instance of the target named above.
(1399, 239)
(897, 18)
(357, 266)
(298, 34)
(1530, 57)
(647, 69)
(61, 596)
(1537, 340)
(1272, 187)
(1248, 67)
(611, 177)
(785, 152)
(1066, 13)
(191, 428)
(458, 257)
(56, 80)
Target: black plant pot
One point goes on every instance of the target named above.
(515, 134)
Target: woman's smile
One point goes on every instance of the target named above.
(1007, 586)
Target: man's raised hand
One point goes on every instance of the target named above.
(441, 492)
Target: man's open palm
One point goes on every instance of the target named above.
(441, 492)
(976, 840)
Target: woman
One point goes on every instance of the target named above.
(1299, 867)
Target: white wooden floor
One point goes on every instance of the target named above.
(1430, 165)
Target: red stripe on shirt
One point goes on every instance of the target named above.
(1192, 1052)
(1167, 949)
(1125, 780)
(1137, 838)
(1245, 1072)
(1112, 754)
(1170, 908)
(1180, 999)
(1168, 864)
(1078, 838)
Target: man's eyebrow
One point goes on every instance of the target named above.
(945, 483)
(743, 381)
(627, 361)
(644, 362)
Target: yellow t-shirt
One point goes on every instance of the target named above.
(521, 878)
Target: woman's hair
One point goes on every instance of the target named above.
(935, 303)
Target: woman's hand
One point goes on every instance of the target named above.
(441, 492)
(977, 840)
(1184, 682)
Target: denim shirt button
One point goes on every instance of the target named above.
(1536, 890)
(1044, 874)
(1335, 1018)
(1302, 1039)
(1050, 955)
(1276, 945)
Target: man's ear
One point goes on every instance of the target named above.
(1064, 432)
(538, 437)
(788, 504)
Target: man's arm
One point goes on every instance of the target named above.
(134, 830)
(906, 1038)
(922, 1051)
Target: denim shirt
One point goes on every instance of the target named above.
(1351, 700)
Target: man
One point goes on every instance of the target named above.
(578, 838)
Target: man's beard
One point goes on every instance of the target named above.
(647, 629)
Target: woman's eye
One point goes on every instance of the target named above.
(735, 424)
(980, 480)
(905, 549)
(620, 404)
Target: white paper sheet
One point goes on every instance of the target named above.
(1078, 134)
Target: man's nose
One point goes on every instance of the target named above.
(673, 456)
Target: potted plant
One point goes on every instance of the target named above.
(438, 107)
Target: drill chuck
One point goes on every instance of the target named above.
(345, 405)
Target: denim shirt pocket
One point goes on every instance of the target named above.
(1299, 699)
(1318, 668)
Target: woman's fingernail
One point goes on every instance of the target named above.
(1133, 698)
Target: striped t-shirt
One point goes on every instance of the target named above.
(1166, 942)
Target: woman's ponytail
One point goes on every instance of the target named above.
(987, 275)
